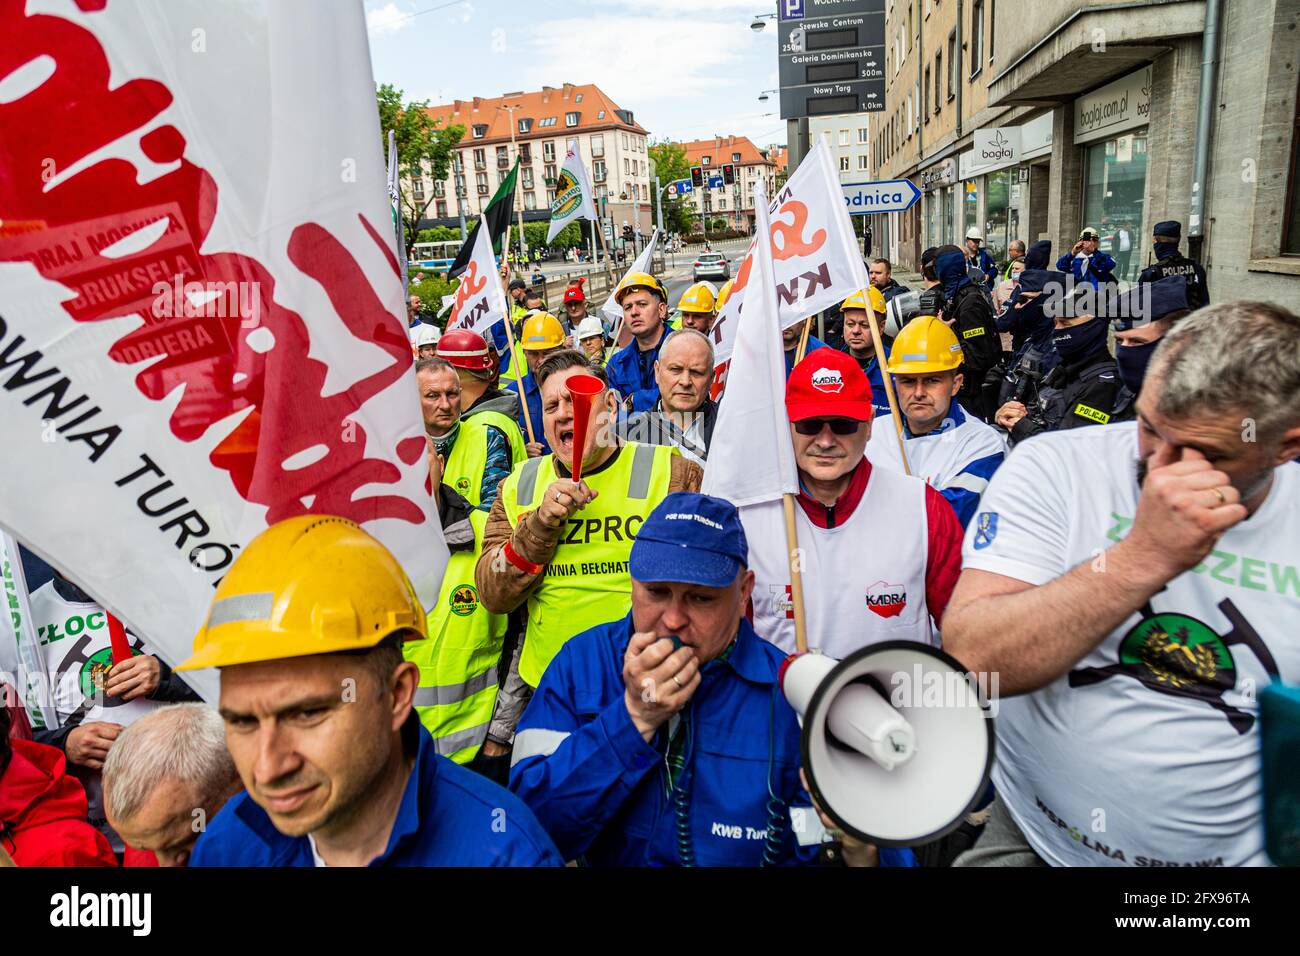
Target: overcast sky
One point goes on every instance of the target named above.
(686, 68)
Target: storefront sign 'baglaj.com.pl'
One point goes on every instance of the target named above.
(997, 145)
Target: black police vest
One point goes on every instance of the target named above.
(1179, 265)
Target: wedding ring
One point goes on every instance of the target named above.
(557, 497)
(1219, 491)
(676, 681)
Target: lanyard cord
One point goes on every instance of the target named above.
(777, 809)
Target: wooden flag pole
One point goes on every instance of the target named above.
(803, 341)
(889, 384)
(523, 397)
(796, 576)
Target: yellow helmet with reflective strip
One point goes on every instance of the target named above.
(698, 298)
(642, 280)
(723, 295)
(316, 584)
(858, 300)
(541, 331)
(925, 344)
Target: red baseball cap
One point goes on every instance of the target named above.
(574, 293)
(828, 384)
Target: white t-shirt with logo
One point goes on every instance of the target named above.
(1146, 752)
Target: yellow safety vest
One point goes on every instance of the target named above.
(458, 663)
(586, 581)
(468, 459)
(517, 367)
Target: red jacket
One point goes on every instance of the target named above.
(43, 812)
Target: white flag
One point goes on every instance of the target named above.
(21, 662)
(751, 456)
(203, 327)
(479, 301)
(611, 310)
(815, 256)
(573, 196)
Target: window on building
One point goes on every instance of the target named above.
(862, 162)
(704, 160)
(925, 101)
(548, 121)
(643, 170)
(480, 130)
(460, 184)
(598, 144)
(548, 151)
(600, 115)
(481, 180)
(722, 204)
(525, 153)
(953, 79)
(938, 81)
(458, 162)
(602, 191)
(976, 37)
(735, 157)
(480, 159)
(439, 188)
(862, 134)
(530, 200)
(528, 177)
(571, 119)
(1291, 228)
(441, 210)
(844, 137)
(548, 172)
(525, 126)
(597, 170)
(550, 196)
(993, 12)
(503, 157)
(844, 164)
(627, 166)
(577, 98)
(417, 190)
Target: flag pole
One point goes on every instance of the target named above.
(889, 386)
(796, 576)
(523, 398)
(803, 341)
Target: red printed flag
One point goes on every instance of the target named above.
(201, 315)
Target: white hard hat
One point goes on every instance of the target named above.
(974, 233)
(426, 334)
(589, 328)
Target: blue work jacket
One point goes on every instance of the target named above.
(601, 791)
(449, 816)
(632, 371)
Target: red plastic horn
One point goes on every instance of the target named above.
(118, 640)
(583, 390)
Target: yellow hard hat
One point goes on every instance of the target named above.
(315, 584)
(541, 331)
(858, 300)
(698, 298)
(723, 295)
(639, 280)
(924, 345)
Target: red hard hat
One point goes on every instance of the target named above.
(465, 349)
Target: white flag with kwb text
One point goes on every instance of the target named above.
(479, 301)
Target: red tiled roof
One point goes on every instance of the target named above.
(548, 102)
(779, 155)
(720, 148)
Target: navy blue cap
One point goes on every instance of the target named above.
(1149, 301)
(1170, 227)
(690, 539)
(1037, 280)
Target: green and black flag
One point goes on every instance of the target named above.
(497, 216)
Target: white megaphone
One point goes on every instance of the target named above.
(897, 744)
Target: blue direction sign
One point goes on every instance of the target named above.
(889, 195)
(715, 182)
(684, 186)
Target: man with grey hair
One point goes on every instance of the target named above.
(1135, 603)
(167, 775)
(684, 416)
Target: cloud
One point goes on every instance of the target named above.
(387, 19)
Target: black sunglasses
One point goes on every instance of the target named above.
(839, 426)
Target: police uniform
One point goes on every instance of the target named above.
(1155, 301)
(1174, 263)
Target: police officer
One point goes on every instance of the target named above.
(1143, 316)
(969, 313)
(560, 547)
(648, 730)
(1170, 262)
(1083, 388)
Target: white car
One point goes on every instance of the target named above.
(712, 265)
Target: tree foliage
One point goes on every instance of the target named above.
(670, 165)
(423, 144)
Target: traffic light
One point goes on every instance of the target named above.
(627, 233)
(729, 174)
(697, 177)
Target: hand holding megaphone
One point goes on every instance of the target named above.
(660, 675)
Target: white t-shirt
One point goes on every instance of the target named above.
(1147, 752)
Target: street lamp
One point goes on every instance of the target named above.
(758, 24)
(766, 95)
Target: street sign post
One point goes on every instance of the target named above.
(888, 195)
(831, 60)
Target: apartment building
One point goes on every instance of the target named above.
(609, 140)
(1103, 99)
(734, 202)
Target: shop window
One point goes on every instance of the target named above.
(1115, 179)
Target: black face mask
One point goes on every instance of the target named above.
(1080, 341)
(1132, 361)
